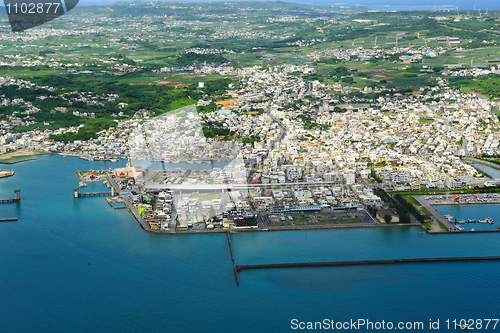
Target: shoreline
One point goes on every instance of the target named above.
(283, 228)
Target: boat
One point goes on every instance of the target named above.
(82, 184)
(463, 326)
(114, 160)
(449, 217)
(4, 174)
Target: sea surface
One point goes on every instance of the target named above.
(77, 265)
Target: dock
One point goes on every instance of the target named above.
(10, 200)
(77, 194)
(92, 194)
(17, 198)
(486, 220)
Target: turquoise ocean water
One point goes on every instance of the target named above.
(142, 282)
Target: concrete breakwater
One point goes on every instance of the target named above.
(230, 245)
(239, 268)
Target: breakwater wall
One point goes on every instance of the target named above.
(230, 245)
(9, 219)
(239, 268)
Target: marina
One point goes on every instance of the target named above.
(471, 217)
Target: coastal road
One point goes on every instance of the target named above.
(435, 213)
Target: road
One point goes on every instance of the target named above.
(212, 187)
(435, 213)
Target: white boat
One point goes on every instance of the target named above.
(82, 184)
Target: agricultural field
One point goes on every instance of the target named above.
(149, 54)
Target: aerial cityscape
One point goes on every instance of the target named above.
(327, 142)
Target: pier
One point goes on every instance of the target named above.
(77, 194)
(92, 194)
(486, 220)
(239, 268)
(17, 198)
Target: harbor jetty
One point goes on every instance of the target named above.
(236, 275)
(239, 268)
(17, 198)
